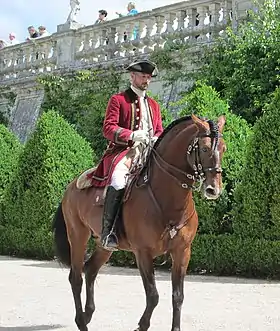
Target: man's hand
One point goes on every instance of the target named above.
(140, 136)
(153, 140)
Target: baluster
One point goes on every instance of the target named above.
(148, 40)
(158, 36)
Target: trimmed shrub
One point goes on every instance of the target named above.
(257, 210)
(52, 157)
(222, 255)
(10, 149)
(204, 101)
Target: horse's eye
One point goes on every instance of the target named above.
(204, 149)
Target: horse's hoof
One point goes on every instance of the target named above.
(81, 325)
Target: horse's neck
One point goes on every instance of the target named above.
(176, 201)
(173, 147)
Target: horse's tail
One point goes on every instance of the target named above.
(61, 243)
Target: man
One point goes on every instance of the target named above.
(33, 34)
(43, 31)
(102, 16)
(131, 117)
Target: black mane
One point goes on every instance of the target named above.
(170, 126)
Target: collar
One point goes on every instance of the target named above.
(138, 92)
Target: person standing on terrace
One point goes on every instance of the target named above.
(131, 10)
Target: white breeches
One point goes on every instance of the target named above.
(119, 176)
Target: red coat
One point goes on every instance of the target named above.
(123, 115)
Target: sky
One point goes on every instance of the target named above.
(17, 15)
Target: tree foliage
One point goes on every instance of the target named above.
(81, 98)
(242, 65)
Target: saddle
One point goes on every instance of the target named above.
(139, 177)
(138, 174)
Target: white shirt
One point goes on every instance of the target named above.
(145, 121)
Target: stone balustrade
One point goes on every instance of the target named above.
(116, 41)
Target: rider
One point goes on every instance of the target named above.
(131, 116)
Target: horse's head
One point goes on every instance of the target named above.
(205, 155)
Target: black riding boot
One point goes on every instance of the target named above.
(111, 207)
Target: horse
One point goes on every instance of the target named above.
(158, 215)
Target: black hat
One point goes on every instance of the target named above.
(145, 66)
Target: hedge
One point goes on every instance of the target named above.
(257, 211)
(223, 255)
(52, 157)
(10, 149)
(215, 216)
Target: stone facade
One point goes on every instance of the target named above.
(117, 42)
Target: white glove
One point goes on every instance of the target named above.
(139, 136)
(154, 139)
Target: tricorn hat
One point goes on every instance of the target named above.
(145, 66)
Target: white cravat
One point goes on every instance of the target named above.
(145, 122)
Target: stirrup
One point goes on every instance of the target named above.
(106, 242)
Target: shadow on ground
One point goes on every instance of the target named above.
(160, 275)
(31, 327)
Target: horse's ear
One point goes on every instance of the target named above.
(200, 123)
(221, 122)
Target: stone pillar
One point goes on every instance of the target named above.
(240, 9)
(66, 44)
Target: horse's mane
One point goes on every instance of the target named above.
(171, 126)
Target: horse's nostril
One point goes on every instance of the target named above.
(210, 191)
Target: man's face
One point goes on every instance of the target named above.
(31, 31)
(11, 37)
(101, 17)
(141, 80)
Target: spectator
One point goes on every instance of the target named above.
(32, 33)
(131, 10)
(12, 39)
(2, 43)
(102, 17)
(43, 31)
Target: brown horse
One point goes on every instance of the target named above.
(157, 216)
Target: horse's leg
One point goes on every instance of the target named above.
(179, 267)
(99, 257)
(146, 268)
(78, 241)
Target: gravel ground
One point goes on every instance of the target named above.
(36, 295)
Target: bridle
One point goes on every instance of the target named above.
(193, 158)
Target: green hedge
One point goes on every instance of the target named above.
(10, 149)
(214, 216)
(223, 255)
(52, 157)
(257, 211)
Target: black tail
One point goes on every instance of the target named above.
(62, 247)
